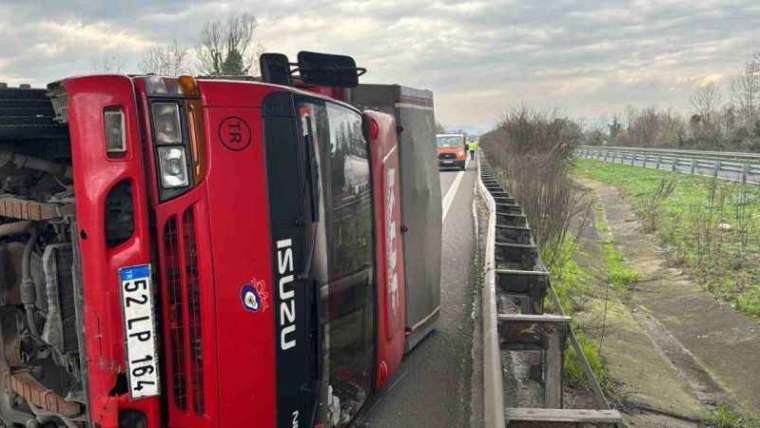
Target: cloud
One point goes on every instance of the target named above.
(481, 57)
(71, 35)
(711, 79)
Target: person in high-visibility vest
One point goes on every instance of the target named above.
(472, 147)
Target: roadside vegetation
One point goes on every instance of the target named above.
(711, 227)
(722, 117)
(725, 416)
(536, 149)
(572, 284)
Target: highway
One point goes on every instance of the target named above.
(433, 387)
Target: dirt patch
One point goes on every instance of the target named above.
(714, 349)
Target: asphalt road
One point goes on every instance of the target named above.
(433, 388)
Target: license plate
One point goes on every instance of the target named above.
(140, 331)
(448, 161)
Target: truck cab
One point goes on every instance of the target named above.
(180, 252)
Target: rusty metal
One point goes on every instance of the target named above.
(23, 384)
(33, 210)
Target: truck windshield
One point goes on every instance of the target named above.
(343, 259)
(450, 141)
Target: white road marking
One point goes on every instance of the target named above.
(452, 192)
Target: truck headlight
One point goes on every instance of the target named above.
(172, 163)
(166, 123)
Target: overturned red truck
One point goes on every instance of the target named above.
(180, 252)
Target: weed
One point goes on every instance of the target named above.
(725, 416)
(652, 203)
(619, 275)
(573, 367)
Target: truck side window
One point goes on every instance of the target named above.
(350, 191)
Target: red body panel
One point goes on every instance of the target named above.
(389, 245)
(232, 233)
(94, 175)
(239, 218)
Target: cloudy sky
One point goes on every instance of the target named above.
(589, 58)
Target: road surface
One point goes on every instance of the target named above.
(433, 387)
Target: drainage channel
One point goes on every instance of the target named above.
(524, 348)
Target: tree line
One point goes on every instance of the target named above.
(226, 47)
(720, 118)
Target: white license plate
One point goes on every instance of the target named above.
(448, 161)
(140, 331)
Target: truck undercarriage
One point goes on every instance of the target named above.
(41, 378)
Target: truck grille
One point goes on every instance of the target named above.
(184, 317)
(447, 156)
(176, 318)
(194, 309)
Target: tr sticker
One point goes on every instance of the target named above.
(235, 133)
(253, 296)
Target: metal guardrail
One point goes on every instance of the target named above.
(733, 166)
(703, 154)
(516, 284)
(493, 383)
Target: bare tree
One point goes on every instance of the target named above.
(228, 47)
(745, 89)
(168, 60)
(108, 64)
(706, 100)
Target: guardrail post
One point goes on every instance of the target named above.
(717, 168)
(693, 166)
(674, 164)
(633, 158)
(553, 380)
(659, 160)
(745, 172)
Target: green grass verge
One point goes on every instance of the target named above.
(571, 283)
(710, 226)
(726, 416)
(619, 275)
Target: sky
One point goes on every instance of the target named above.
(587, 59)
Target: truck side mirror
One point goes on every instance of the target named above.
(275, 68)
(338, 71)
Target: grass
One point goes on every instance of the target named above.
(725, 416)
(571, 283)
(710, 226)
(619, 275)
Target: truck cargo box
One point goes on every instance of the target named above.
(421, 198)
